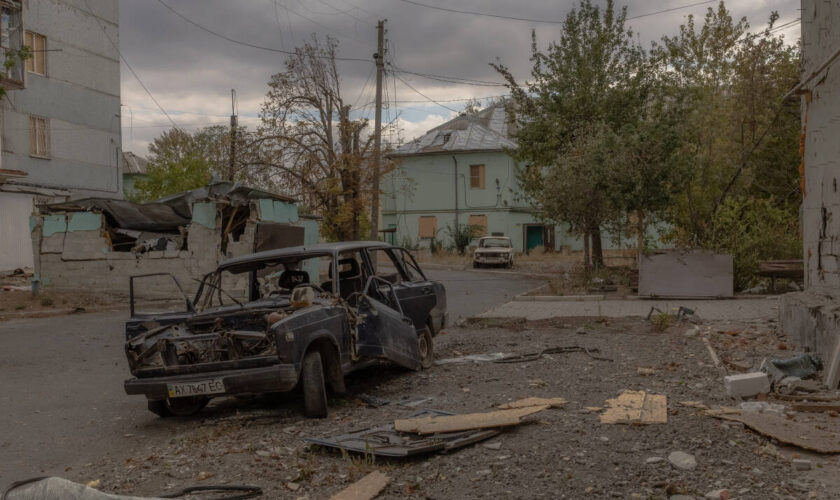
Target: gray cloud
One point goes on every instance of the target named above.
(191, 72)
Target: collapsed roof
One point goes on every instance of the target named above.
(487, 130)
(165, 214)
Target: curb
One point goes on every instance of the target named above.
(48, 313)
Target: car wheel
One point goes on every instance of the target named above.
(427, 349)
(314, 389)
(475, 265)
(158, 407)
(510, 264)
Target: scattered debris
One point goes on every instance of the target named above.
(416, 403)
(801, 464)
(745, 385)
(763, 407)
(537, 382)
(527, 402)
(365, 488)
(805, 436)
(57, 488)
(521, 358)
(802, 366)
(385, 441)
(694, 404)
(454, 423)
(373, 401)
(722, 494)
(712, 352)
(645, 371)
(682, 460)
(636, 407)
(476, 358)
(581, 331)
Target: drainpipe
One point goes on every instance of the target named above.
(456, 191)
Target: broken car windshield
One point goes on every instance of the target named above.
(495, 242)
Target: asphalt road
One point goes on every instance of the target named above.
(61, 397)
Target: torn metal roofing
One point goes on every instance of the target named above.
(133, 164)
(488, 130)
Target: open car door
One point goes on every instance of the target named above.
(384, 331)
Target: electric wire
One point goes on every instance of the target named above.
(545, 21)
(127, 65)
(424, 95)
(252, 45)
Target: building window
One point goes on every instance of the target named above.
(428, 226)
(477, 176)
(39, 137)
(479, 222)
(38, 44)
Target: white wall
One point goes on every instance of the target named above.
(15, 242)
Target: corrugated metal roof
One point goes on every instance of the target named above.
(487, 130)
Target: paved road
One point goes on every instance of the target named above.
(61, 397)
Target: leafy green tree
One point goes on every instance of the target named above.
(592, 78)
(166, 178)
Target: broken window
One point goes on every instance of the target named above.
(39, 140)
(37, 63)
(385, 265)
(476, 176)
(11, 30)
(428, 226)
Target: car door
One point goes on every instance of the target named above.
(414, 291)
(383, 331)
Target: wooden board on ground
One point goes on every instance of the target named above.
(805, 436)
(636, 407)
(525, 403)
(454, 423)
(816, 407)
(832, 371)
(365, 488)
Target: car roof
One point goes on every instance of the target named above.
(495, 237)
(317, 249)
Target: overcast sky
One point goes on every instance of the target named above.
(191, 72)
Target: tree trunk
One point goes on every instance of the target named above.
(586, 266)
(597, 251)
(640, 230)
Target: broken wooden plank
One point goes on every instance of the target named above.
(832, 372)
(636, 407)
(816, 407)
(712, 352)
(454, 423)
(694, 404)
(365, 488)
(802, 397)
(524, 403)
(805, 436)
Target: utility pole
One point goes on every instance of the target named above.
(379, 59)
(233, 124)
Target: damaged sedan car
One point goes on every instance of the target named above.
(301, 317)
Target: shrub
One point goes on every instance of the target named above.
(462, 235)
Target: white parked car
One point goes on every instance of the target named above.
(493, 251)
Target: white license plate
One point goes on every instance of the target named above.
(186, 389)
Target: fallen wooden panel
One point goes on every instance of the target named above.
(365, 488)
(455, 423)
(636, 407)
(524, 403)
(815, 407)
(805, 436)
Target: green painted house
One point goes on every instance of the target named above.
(460, 172)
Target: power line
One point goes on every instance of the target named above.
(424, 95)
(136, 76)
(544, 21)
(450, 79)
(254, 46)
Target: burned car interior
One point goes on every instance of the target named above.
(349, 303)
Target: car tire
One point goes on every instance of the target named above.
(314, 389)
(427, 348)
(476, 265)
(509, 265)
(158, 407)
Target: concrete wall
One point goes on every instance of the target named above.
(73, 252)
(80, 96)
(821, 109)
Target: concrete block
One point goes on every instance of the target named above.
(675, 273)
(744, 385)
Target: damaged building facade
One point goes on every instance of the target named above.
(813, 317)
(96, 244)
(60, 119)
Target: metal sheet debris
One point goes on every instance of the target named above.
(385, 441)
(636, 407)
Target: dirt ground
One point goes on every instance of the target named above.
(560, 453)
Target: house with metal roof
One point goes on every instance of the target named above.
(461, 172)
(133, 169)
